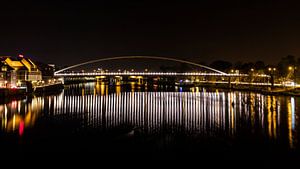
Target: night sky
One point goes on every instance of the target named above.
(68, 32)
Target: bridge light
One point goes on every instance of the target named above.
(101, 77)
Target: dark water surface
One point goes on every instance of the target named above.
(169, 123)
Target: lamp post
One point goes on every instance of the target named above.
(292, 70)
(295, 76)
(272, 73)
(252, 75)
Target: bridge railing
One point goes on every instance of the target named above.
(152, 74)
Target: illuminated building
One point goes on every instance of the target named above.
(17, 71)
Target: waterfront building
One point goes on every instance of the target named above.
(5, 72)
(15, 72)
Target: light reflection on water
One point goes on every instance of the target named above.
(197, 111)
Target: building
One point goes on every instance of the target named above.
(17, 71)
(47, 70)
(5, 72)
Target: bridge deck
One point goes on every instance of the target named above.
(153, 74)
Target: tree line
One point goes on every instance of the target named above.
(283, 68)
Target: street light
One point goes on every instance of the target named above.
(293, 68)
(272, 71)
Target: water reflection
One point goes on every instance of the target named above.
(198, 111)
(18, 115)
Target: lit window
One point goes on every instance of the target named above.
(4, 68)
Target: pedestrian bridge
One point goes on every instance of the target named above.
(209, 71)
(203, 74)
(80, 74)
(141, 57)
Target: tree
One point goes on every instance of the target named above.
(259, 65)
(246, 67)
(221, 65)
(238, 65)
(284, 63)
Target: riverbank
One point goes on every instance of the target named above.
(266, 90)
(48, 88)
(7, 94)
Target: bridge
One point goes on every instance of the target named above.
(207, 74)
(140, 57)
(72, 74)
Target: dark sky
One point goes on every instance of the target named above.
(68, 32)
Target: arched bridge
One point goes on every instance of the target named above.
(217, 75)
(215, 72)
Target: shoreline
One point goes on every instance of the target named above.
(265, 90)
(7, 95)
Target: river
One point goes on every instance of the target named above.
(163, 121)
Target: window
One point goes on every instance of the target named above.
(4, 68)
